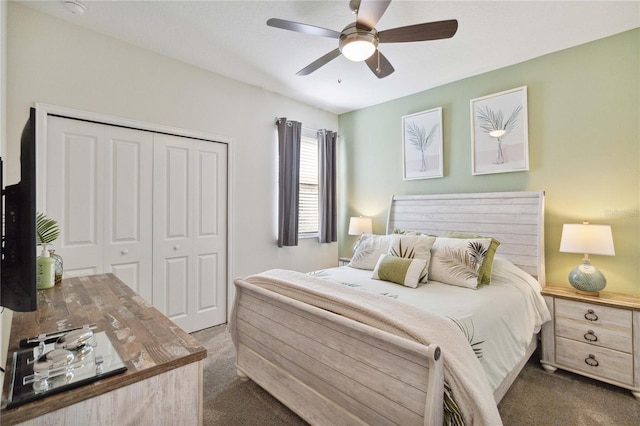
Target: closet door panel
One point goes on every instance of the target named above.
(74, 193)
(80, 187)
(206, 298)
(172, 225)
(128, 216)
(208, 303)
(177, 176)
(190, 203)
(177, 280)
(129, 273)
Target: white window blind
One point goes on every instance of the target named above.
(308, 202)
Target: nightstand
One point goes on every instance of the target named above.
(344, 261)
(597, 337)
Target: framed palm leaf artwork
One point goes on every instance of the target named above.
(422, 144)
(499, 134)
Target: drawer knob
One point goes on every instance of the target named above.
(590, 315)
(590, 336)
(591, 361)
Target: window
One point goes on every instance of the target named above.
(308, 201)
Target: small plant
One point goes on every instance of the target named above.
(47, 230)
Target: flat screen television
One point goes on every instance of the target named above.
(18, 290)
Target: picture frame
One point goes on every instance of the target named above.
(499, 132)
(422, 145)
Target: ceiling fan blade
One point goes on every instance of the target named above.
(379, 65)
(420, 32)
(319, 62)
(302, 28)
(370, 11)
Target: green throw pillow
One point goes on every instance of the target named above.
(399, 270)
(487, 265)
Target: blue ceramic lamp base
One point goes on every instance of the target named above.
(587, 279)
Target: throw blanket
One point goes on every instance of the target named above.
(462, 370)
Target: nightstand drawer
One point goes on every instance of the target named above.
(588, 313)
(595, 334)
(601, 362)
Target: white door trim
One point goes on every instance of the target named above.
(44, 110)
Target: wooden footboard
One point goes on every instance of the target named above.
(333, 370)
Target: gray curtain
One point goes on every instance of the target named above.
(327, 186)
(289, 134)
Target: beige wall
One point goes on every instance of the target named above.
(584, 147)
(53, 62)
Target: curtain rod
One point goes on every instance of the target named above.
(303, 127)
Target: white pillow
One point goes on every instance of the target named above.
(368, 251)
(457, 261)
(399, 270)
(413, 247)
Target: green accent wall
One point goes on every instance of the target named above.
(584, 150)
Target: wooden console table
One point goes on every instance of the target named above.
(163, 383)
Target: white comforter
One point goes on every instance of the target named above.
(462, 372)
(499, 318)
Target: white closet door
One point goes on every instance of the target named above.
(208, 303)
(99, 190)
(190, 204)
(75, 193)
(127, 215)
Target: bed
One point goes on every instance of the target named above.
(337, 347)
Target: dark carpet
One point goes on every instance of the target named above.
(536, 397)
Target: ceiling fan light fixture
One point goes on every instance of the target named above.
(358, 50)
(358, 44)
(359, 40)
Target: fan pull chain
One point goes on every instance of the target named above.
(378, 68)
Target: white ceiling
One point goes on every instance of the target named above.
(232, 39)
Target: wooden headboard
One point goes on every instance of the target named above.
(516, 219)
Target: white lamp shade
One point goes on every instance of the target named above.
(587, 239)
(360, 225)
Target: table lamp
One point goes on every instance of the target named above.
(587, 239)
(358, 226)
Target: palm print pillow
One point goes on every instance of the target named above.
(457, 261)
(368, 251)
(487, 266)
(413, 247)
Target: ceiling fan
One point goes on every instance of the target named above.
(359, 40)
